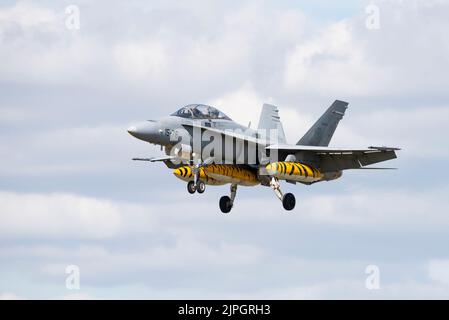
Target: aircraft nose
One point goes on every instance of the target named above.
(150, 131)
(132, 130)
(144, 131)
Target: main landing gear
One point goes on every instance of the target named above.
(288, 199)
(226, 203)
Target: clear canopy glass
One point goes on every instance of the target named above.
(200, 111)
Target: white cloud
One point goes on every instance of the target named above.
(57, 215)
(439, 271)
(76, 296)
(336, 63)
(70, 150)
(347, 59)
(73, 216)
(353, 289)
(139, 61)
(26, 15)
(420, 132)
(9, 296)
(192, 242)
(243, 105)
(37, 48)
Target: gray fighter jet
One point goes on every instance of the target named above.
(203, 146)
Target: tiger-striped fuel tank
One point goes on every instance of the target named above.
(219, 174)
(186, 174)
(294, 171)
(232, 174)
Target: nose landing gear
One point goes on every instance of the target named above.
(193, 187)
(196, 185)
(200, 187)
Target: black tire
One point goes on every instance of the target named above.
(289, 201)
(225, 204)
(201, 187)
(191, 188)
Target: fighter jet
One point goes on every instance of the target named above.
(203, 146)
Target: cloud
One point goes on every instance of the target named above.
(332, 62)
(160, 246)
(68, 151)
(57, 215)
(8, 296)
(352, 289)
(439, 271)
(141, 60)
(76, 296)
(348, 59)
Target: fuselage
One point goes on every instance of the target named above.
(232, 163)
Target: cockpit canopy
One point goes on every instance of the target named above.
(200, 111)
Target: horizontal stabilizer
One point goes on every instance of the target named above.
(376, 168)
(336, 159)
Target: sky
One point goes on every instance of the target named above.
(71, 196)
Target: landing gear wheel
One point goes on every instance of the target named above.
(201, 187)
(289, 201)
(191, 188)
(225, 204)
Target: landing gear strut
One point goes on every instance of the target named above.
(196, 185)
(288, 199)
(226, 203)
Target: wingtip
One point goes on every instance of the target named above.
(385, 148)
(341, 102)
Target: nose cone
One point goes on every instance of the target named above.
(132, 130)
(147, 131)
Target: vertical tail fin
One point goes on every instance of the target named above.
(322, 131)
(269, 120)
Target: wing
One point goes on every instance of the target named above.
(336, 159)
(162, 159)
(324, 158)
